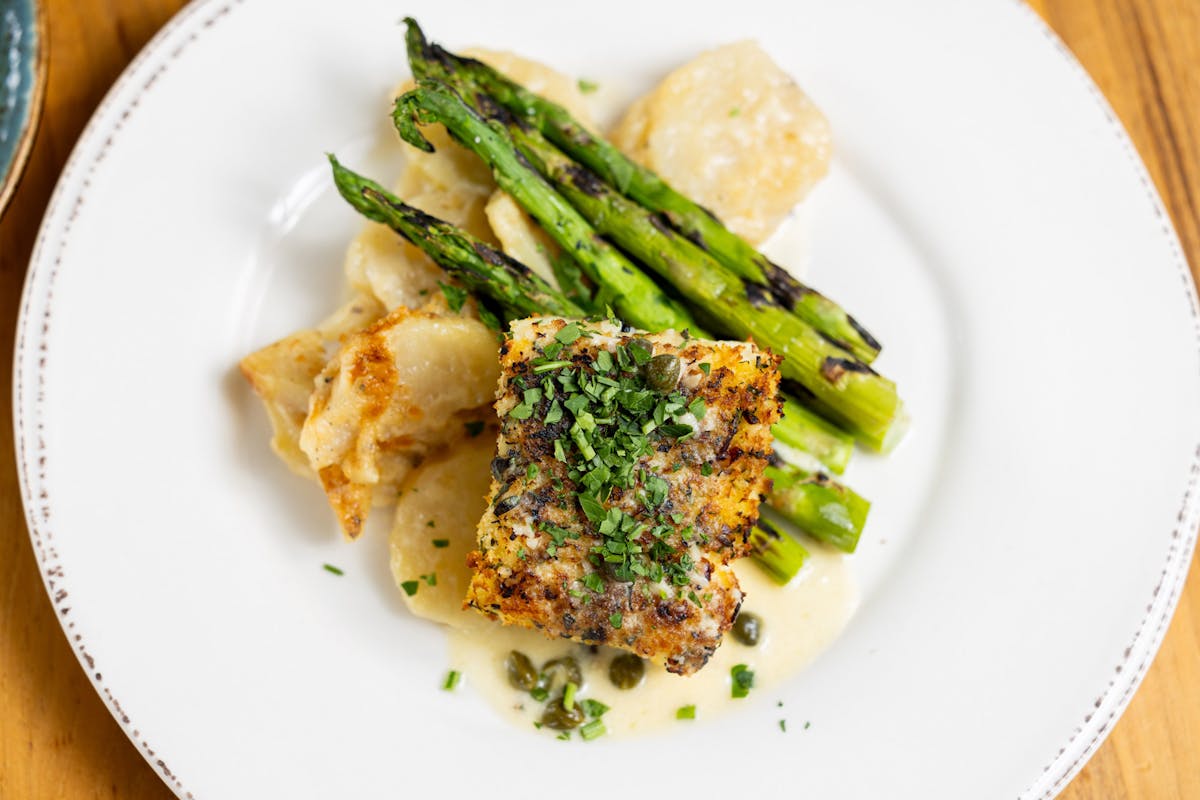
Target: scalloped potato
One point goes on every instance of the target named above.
(734, 132)
(401, 388)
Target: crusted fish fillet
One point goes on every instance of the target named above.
(536, 565)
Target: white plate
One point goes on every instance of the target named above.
(987, 216)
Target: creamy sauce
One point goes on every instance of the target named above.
(799, 621)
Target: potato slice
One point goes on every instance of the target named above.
(538, 78)
(395, 392)
(442, 502)
(397, 273)
(282, 374)
(735, 133)
(520, 236)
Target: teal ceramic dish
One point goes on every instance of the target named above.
(22, 79)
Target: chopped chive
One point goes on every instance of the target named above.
(410, 587)
(333, 569)
(587, 87)
(440, 543)
(593, 730)
(451, 680)
(568, 698)
(539, 693)
(743, 681)
(685, 712)
(564, 736)
(783, 725)
(806, 725)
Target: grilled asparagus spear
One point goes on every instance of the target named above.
(642, 185)
(854, 396)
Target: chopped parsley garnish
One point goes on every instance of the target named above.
(706, 469)
(587, 87)
(430, 524)
(806, 725)
(783, 725)
(685, 712)
(474, 427)
(430, 579)
(568, 334)
(705, 367)
(616, 620)
(603, 421)
(456, 296)
(593, 708)
(333, 569)
(410, 587)
(440, 543)
(539, 693)
(452, 678)
(743, 680)
(564, 736)
(592, 730)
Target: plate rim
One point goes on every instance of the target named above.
(201, 15)
(34, 103)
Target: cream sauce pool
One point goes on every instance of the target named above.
(798, 621)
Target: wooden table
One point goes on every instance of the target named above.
(56, 737)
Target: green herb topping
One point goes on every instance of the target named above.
(592, 730)
(743, 680)
(604, 417)
(333, 569)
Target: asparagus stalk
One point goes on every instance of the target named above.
(860, 400)
(806, 431)
(647, 188)
(818, 505)
(479, 266)
(777, 552)
(811, 501)
(636, 298)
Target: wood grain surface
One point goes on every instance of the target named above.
(57, 739)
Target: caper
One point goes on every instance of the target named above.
(565, 668)
(644, 346)
(558, 717)
(521, 672)
(747, 628)
(662, 373)
(626, 671)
